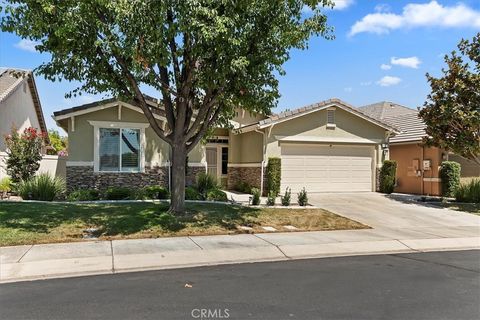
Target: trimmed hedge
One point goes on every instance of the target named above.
(387, 176)
(118, 193)
(450, 176)
(156, 192)
(255, 196)
(217, 195)
(274, 168)
(84, 195)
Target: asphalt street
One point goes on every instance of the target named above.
(440, 285)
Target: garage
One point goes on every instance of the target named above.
(327, 168)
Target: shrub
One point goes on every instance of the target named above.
(274, 167)
(118, 193)
(156, 192)
(271, 198)
(255, 196)
(23, 153)
(5, 185)
(84, 195)
(387, 176)
(286, 197)
(217, 195)
(468, 192)
(42, 187)
(243, 186)
(206, 182)
(450, 176)
(302, 198)
(192, 194)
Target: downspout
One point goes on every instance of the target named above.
(263, 159)
(169, 176)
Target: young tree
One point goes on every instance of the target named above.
(57, 142)
(203, 57)
(23, 153)
(452, 111)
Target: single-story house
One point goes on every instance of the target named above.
(417, 164)
(325, 147)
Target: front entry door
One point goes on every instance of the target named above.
(212, 164)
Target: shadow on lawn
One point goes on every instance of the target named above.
(124, 218)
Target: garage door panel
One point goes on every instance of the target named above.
(321, 168)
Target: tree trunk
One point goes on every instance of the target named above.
(177, 192)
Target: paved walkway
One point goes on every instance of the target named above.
(399, 226)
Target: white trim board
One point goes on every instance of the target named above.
(79, 163)
(245, 165)
(327, 139)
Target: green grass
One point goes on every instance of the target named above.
(32, 223)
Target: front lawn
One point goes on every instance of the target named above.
(31, 223)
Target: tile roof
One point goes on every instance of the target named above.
(406, 119)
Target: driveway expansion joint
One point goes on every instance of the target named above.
(113, 256)
(406, 245)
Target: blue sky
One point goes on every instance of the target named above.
(409, 38)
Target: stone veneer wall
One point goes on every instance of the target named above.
(80, 177)
(250, 175)
(191, 175)
(377, 179)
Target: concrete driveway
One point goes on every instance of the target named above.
(394, 211)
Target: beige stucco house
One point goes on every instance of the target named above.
(328, 146)
(19, 103)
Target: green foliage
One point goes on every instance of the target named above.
(42, 187)
(192, 194)
(217, 195)
(169, 222)
(286, 197)
(23, 153)
(255, 196)
(156, 192)
(452, 112)
(302, 198)
(387, 176)
(202, 57)
(468, 192)
(450, 176)
(118, 193)
(271, 198)
(243, 186)
(206, 182)
(5, 185)
(274, 168)
(57, 142)
(84, 195)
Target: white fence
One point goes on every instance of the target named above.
(55, 165)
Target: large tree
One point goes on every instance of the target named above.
(204, 57)
(452, 111)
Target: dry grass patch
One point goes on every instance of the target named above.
(32, 223)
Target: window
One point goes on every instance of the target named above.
(330, 118)
(224, 160)
(119, 149)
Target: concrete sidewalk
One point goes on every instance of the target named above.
(33, 262)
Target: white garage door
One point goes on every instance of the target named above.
(321, 168)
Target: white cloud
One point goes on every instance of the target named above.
(382, 7)
(366, 83)
(388, 81)
(339, 5)
(342, 4)
(348, 89)
(411, 62)
(27, 45)
(418, 15)
(385, 66)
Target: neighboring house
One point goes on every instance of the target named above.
(328, 146)
(20, 108)
(417, 164)
(19, 103)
